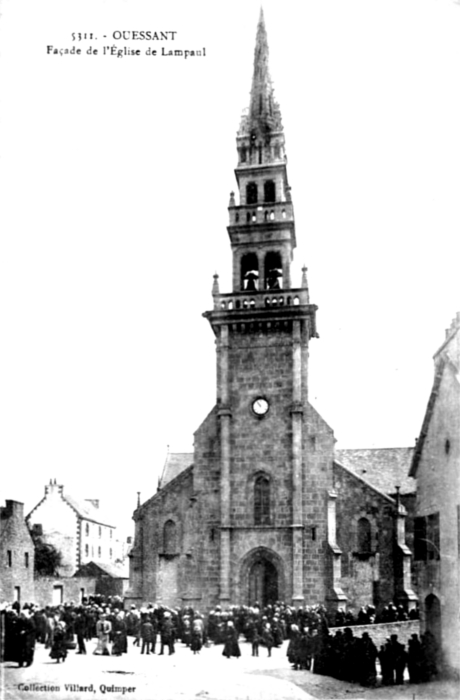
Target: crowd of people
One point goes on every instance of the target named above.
(315, 642)
(354, 659)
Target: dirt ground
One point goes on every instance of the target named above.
(183, 676)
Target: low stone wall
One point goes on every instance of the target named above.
(381, 632)
(48, 590)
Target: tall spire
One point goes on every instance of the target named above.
(264, 112)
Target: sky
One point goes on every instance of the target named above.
(115, 175)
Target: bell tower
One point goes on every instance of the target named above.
(261, 230)
(275, 452)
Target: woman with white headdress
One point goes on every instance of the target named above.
(231, 646)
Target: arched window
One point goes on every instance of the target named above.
(273, 271)
(170, 537)
(262, 500)
(269, 191)
(243, 154)
(249, 272)
(364, 536)
(251, 193)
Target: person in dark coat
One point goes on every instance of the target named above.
(40, 625)
(26, 639)
(268, 639)
(414, 659)
(293, 650)
(367, 656)
(146, 633)
(398, 659)
(12, 630)
(255, 640)
(231, 646)
(59, 646)
(385, 664)
(120, 640)
(196, 641)
(350, 669)
(80, 630)
(305, 650)
(167, 634)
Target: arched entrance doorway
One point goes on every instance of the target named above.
(261, 577)
(263, 582)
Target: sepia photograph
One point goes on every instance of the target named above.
(230, 354)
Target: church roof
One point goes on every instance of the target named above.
(175, 464)
(385, 468)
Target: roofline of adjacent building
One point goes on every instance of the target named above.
(427, 418)
(79, 515)
(164, 488)
(364, 481)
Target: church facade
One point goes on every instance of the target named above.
(251, 515)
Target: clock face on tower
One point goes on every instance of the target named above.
(260, 406)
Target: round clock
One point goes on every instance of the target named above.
(260, 406)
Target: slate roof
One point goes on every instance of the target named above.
(96, 569)
(86, 510)
(175, 464)
(385, 468)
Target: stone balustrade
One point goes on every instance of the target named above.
(267, 298)
(261, 213)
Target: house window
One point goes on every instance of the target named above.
(86, 550)
(364, 536)
(87, 529)
(262, 500)
(99, 552)
(9, 558)
(26, 559)
(110, 553)
(100, 531)
(170, 537)
(426, 537)
(111, 533)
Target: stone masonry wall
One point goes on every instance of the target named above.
(381, 632)
(72, 589)
(318, 448)
(438, 489)
(17, 554)
(365, 579)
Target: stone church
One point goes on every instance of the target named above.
(264, 510)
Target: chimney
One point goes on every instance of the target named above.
(13, 509)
